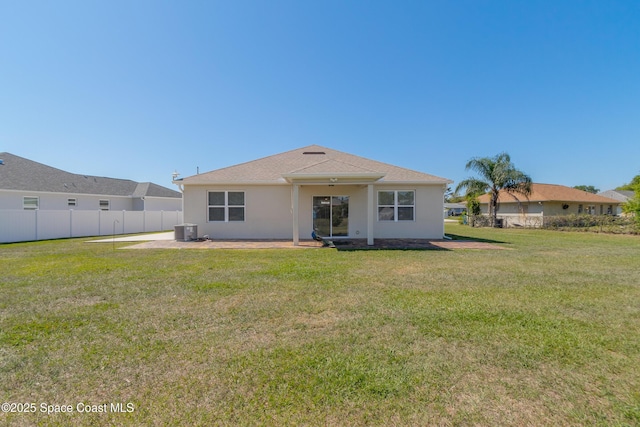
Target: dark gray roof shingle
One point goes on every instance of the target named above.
(619, 195)
(18, 173)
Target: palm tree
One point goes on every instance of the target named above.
(497, 173)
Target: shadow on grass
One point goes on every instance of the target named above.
(387, 245)
(474, 239)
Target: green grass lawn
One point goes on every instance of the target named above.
(546, 332)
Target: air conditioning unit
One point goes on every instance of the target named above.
(186, 232)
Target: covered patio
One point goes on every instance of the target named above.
(340, 177)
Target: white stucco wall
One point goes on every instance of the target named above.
(555, 208)
(158, 204)
(12, 199)
(429, 214)
(269, 211)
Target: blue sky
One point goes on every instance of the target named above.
(138, 89)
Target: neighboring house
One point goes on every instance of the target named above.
(547, 200)
(287, 195)
(29, 185)
(622, 196)
(454, 209)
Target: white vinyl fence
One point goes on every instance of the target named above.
(25, 225)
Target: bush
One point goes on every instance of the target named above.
(473, 205)
(632, 206)
(480, 221)
(597, 223)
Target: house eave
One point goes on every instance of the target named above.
(78, 194)
(230, 183)
(586, 202)
(333, 178)
(409, 182)
(309, 180)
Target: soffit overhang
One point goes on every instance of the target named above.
(333, 178)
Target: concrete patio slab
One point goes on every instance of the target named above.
(349, 245)
(166, 240)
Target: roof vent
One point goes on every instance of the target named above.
(314, 152)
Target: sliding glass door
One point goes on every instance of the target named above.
(331, 215)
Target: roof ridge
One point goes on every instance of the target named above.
(79, 175)
(355, 166)
(333, 160)
(311, 165)
(38, 163)
(258, 159)
(390, 165)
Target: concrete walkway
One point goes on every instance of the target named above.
(165, 235)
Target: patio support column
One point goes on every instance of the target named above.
(296, 228)
(370, 214)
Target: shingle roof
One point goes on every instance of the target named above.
(551, 193)
(18, 173)
(619, 195)
(149, 189)
(313, 159)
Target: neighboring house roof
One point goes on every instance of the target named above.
(149, 189)
(311, 161)
(455, 206)
(550, 193)
(18, 173)
(619, 195)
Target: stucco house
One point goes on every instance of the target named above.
(454, 209)
(29, 185)
(288, 195)
(547, 200)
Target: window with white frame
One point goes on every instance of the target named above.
(226, 206)
(30, 203)
(104, 205)
(396, 205)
